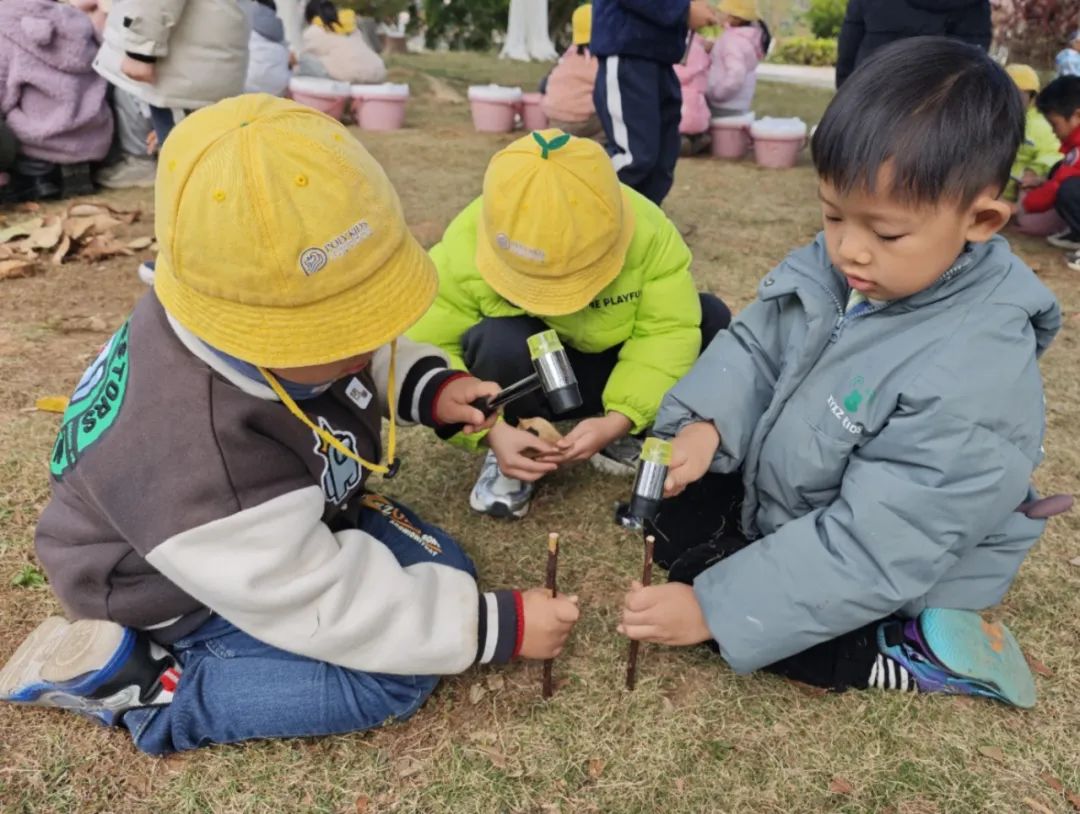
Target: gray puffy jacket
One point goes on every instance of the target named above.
(883, 455)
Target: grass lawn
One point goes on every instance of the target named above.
(693, 737)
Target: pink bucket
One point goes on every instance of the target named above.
(494, 108)
(325, 95)
(532, 114)
(1040, 224)
(380, 107)
(777, 142)
(731, 136)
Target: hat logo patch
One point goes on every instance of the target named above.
(315, 259)
(520, 249)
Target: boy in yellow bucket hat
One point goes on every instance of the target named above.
(555, 241)
(209, 526)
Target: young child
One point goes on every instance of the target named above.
(1068, 58)
(694, 82)
(556, 242)
(1040, 150)
(210, 527)
(873, 419)
(268, 62)
(637, 94)
(1059, 102)
(568, 89)
(51, 98)
(735, 57)
(344, 56)
(175, 57)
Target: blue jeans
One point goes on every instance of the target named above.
(235, 687)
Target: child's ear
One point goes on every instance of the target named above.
(986, 217)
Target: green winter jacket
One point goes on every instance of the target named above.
(651, 309)
(1039, 151)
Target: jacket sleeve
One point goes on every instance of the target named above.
(851, 36)
(666, 336)
(666, 13)
(1045, 148)
(420, 373)
(731, 385)
(731, 61)
(1042, 197)
(279, 573)
(147, 26)
(936, 480)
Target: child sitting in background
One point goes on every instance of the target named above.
(568, 89)
(1040, 150)
(735, 57)
(268, 58)
(1067, 61)
(252, 586)
(346, 57)
(51, 98)
(857, 449)
(1059, 102)
(693, 76)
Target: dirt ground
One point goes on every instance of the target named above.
(694, 737)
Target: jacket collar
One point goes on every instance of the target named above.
(1072, 141)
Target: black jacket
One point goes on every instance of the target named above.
(870, 24)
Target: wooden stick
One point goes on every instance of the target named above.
(549, 583)
(646, 579)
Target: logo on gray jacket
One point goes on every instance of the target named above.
(340, 474)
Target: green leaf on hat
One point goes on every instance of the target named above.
(547, 146)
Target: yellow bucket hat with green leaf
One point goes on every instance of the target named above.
(281, 240)
(556, 223)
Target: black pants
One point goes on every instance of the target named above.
(1067, 204)
(700, 527)
(495, 349)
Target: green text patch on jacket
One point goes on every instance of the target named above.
(652, 309)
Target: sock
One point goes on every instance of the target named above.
(887, 674)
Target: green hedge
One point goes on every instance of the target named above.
(825, 17)
(804, 51)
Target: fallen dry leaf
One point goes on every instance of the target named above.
(992, 752)
(484, 736)
(11, 269)
(51, 404)
(497, 758)
(1052, 781)
(61, 251)
(29, 206)
(407, 767)
(1038, 667)
(48, 234)
(75, 228)
(476, 693)
(841, 786)
(596, 767)
(680, 785)
(362, 803)
(104, 223)
(102, 246)
(1038, 806)
(94, 208)
(24, 229)
(140, 243)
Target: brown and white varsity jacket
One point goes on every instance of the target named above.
(182, 487)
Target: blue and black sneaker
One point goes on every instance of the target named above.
(957, 652)
(93, 667)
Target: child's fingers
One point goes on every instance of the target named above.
(522, 468)
(635, 585)
(566, 612)
(640, 600)
(643, 633)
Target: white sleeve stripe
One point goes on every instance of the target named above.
(491, 603)
(418, 391)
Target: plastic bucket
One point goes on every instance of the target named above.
(380, 107)
(731, 135)
(325, 95)
(494, 107)
(532, 114)
(777, 142)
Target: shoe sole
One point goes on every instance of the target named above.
(609, 466)
(24, 667)
(146, 274)
(986, 652)
(58, 651)
(1063, 244)
(500, 511)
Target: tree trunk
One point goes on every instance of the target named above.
(527, 35)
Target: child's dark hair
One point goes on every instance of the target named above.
(766, 36)
(1062, 96)
(944, 117)
(325, 10)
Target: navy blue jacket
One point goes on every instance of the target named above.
(652, 29)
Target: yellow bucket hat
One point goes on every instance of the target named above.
(581, 24)
(1024, 76)
(556, 223)
(281, 240)
(743, 9)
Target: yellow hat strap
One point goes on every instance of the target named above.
(391, 467)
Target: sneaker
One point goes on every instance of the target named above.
(619, 457)
(957, 652)
(499, 496)
(93, 667)
(75, 180)
(130, 171)
(1072, 260)
(146, 272)
(1066, 239)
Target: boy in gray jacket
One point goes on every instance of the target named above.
(852, 459)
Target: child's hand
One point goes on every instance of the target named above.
(701, 15)
(454, 404)
(665, 614)
(692, 451)
(547, 622)
(589, 437)
(515, 450)
(151, 142)
(1030, 179)
(139, 71)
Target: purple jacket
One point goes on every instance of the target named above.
(49, 93)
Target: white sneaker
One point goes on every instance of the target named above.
(1072, 260)
(146, 272)
(127, 173)
(1065, 239)
(620, 457)
(499, 496)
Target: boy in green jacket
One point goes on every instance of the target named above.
(1040, 150)
(557, 242)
